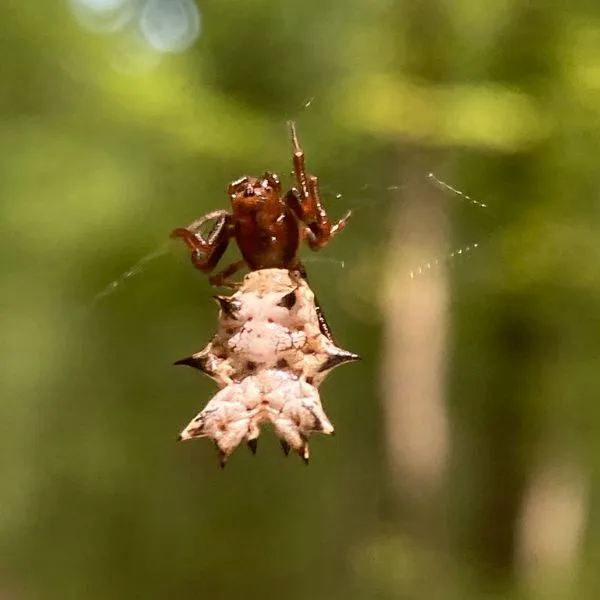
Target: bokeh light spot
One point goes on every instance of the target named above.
(103, 16)
(170, 25)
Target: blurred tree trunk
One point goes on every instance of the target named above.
(415, 313)
(414, 371)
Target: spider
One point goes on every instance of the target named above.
(267, 226)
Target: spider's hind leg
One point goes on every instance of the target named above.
(323, 325)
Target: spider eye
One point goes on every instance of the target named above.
(248, 192)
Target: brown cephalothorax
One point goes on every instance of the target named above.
(269, 357)
(267, 226)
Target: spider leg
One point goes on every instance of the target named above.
(299, 163)
(322, 228)
(323, 325)
(316, 233)
(220, 279)
(206, 253)
(194, 226)
(305, 202)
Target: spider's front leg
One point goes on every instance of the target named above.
(206, 252)
(305, 202)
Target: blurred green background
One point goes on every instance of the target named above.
(466, 458)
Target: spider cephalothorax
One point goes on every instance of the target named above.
(268, 226)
